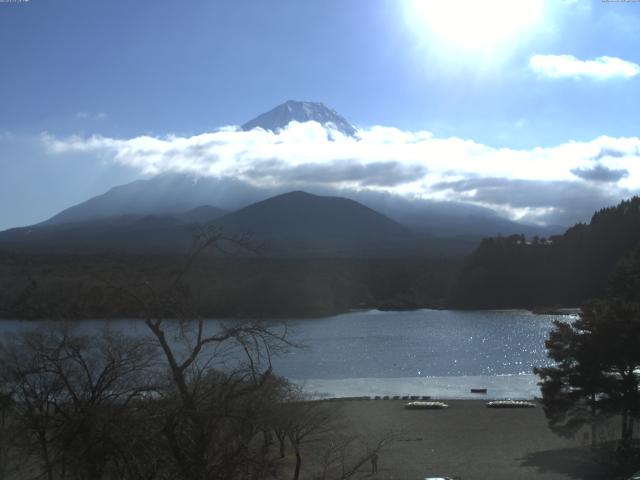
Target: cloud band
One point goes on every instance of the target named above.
(383, 159)
(568, 66)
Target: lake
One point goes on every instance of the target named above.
(442, 353)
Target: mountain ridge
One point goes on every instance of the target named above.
(294, 223)
(173, 194)
(300, 220)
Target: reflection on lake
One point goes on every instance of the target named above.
(442, 353)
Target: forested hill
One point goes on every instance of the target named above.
(565, 270)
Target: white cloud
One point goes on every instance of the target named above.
(563, 66)
(415, 164)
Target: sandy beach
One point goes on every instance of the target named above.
(468, 441)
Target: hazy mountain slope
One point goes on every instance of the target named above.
(174, 194)
(453, 218)
(279, 117)
(292, 224)
(167, 194)
(201, 214)
(126, 233)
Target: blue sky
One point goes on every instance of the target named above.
(122, 71)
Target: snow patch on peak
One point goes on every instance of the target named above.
(280, 116)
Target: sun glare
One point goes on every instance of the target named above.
(474, 26)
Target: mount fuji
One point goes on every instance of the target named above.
(279, 117)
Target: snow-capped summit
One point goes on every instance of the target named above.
(279, 117)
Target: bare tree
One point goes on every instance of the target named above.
(35, 392)
(308, 421)
(70, 394)
(192, 400)
(6, 421)
(215, 371)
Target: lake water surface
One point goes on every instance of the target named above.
(442, 353)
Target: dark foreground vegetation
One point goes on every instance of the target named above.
(564, 270)
(181, 402)
(115, 407)
(596, 376)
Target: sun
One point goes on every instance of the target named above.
(474, 26)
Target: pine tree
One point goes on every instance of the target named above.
(597, 370)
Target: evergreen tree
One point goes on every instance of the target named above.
(597, 371)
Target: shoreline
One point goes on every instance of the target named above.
(419, 398)
(498, 387)
(561, 311)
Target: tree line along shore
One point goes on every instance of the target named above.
(503, 272)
